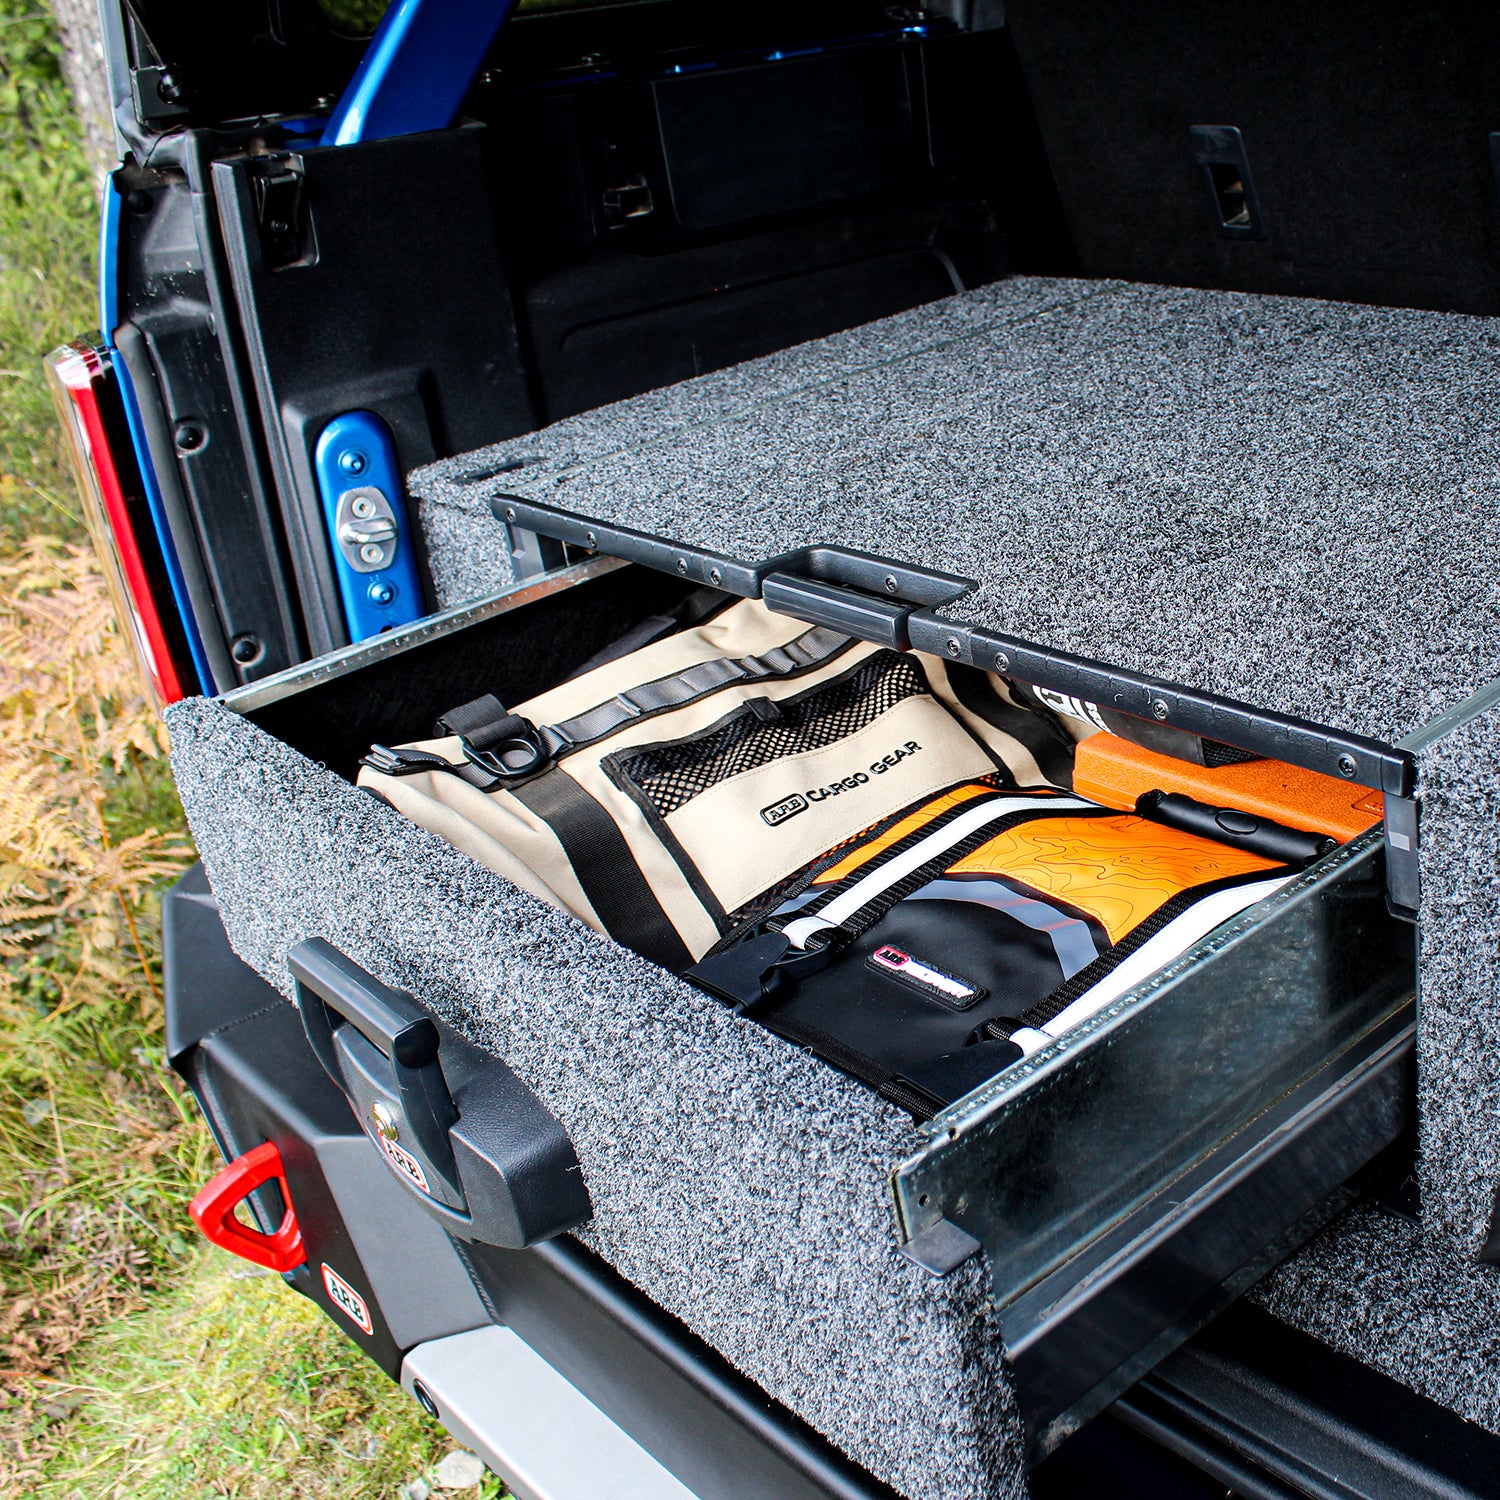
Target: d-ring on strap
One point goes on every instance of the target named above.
(500, 744)
(483, 723)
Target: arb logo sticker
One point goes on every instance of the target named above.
(788, 807)
(935, 982)
(405, 1163)
(346, 1299)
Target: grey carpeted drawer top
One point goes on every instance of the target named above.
(1286, 502)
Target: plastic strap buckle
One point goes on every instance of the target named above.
(758, 969)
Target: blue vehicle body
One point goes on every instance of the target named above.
(420, 65)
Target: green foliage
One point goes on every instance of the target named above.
(239, 1387)
(99, 1144)
(354, 17)
(49, 220)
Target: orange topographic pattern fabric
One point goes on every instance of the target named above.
(1116, 869)
(898, 831)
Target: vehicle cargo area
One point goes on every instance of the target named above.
(1063, 432)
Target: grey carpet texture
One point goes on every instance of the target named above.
(738, 1182)
(1288, 502)
(1458, 982)
(1376, 1288)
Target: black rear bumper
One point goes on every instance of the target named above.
(240, 1046)
(1248, 1406)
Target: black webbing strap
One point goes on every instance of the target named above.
(482, 722)
(811, 649)
(860, 1065)
(605, 867)
(408, 762)
(494, 740)
(502, 748)
(831, 893)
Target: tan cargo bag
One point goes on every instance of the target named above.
(665, 795)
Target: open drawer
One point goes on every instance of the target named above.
(1135, 1177)
(1123, 1182)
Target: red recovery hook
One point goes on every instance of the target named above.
(213, 1211)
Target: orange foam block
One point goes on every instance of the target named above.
(1114, 772)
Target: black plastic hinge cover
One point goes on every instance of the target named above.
(281, 215)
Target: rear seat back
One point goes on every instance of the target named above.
(1365, 127)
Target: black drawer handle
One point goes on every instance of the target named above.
(330, 984)
(496, 1166)
(389, 1019)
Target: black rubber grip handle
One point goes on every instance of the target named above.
(1232, 825)
(329, 984)
(863, 616)
(387, 1018)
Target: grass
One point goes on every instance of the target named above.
(48, 219)
(133, 1361)
(310, 1416)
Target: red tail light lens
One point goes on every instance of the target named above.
(114, 510)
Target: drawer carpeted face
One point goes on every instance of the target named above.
(1377, 1288)
(737, 1181)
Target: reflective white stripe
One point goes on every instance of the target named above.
(920, 853)
(1029, 1039)
(1157, 952)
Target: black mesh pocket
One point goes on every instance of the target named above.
(672, 774)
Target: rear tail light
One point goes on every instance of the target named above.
(119, 525)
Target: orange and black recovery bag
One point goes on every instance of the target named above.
(983, 924)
